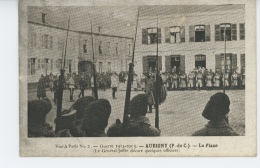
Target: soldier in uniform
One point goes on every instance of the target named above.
(92, 86)
(138, 124)
(114, 84)
(216, 80)
(175, 78)
(143, 81)
(190, 80)
(37, 112)
(95, 118)
(183, 79)
(41, 90)
(199, 80)
(51, 81)
(169, 81)
(234, 80)
(226, 79)
(71, 87)
(216, 112)
(209, 77)
(149, 91)
(82, 85)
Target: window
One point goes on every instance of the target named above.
(85, 46)
(227, 31)
(200, 61)
(44, 18)
(33, 40)
(100, 67)
(100, 47)
(200, 33)
(109, 66)
(51, 64)
(242, 31)
(51, 42)
(116, 48)
(175, 34)
(149, 36)
(129, 49)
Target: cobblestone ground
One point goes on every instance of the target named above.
(180, 114)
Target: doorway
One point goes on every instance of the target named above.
(200, 61)
(85, 67)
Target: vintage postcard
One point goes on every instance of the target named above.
(137, 78)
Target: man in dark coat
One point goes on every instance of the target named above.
(37, 112)
(216, 112)
(41, 92)
(137, 124)
(82, 85)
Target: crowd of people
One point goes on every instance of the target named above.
(88, 117)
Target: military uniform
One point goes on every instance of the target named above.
(216, 80)
(190, 80)
(183, 78)
(226, 80)
(209, 78)
(199, 80)
(175, 78)
(234, 79)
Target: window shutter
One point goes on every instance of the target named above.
(29, 64)
(218, 60)
(217, 32)
(234, 31)
(144, 36)
(207, 33)
(182, 34)
(167, 34)
(159, 35)
(182, 63)
(243, 60)
(234, 62)
(242, 31)
(145, 64)
(167, 63)
(191, 33)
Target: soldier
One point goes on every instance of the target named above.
(138, 124)
(208, 80)
(92, 86)
(95, 118)
(199, 80)
(175, 78)
(41, 90)
(190, 80)
(183, 79)
(37, 112)
(143, 81)
(134, 84)
(71, 87)
(55, 88)
(234, 80)
(216, 80)
(82, 85)
(51, 81)
(169, 81)
(216, 112)
(114, 84)
(149, 91)
(226, 79)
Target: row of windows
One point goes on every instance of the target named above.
(44, 63)
(197, 33)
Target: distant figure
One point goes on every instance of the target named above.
(243, 78)
(95, 119)
(92, 86)
(55, 88)
(216, 112)
(51, 81)
(114, 84)
(71, 87)
(82, 85)
(41, 90)
(182, 80)
(199, 80)
(208, 80)
(149, 92)
(137, 124)
(234, 80)
(216, 80)
(190, 80)
(37, 112)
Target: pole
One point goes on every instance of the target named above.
(157, 84)
(224, 83)
(93, 66)
(129, 81)
(60, 84)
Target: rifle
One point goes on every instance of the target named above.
(157, 89)
(93, 66)
(129, 82)
(60, 84)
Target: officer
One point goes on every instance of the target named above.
(175, 78)
(226, 79)
(234, 80)
(216, 80)
(183, 79)
(208, 80)
(71, 87)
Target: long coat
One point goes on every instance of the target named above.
(149, 89)
(41, 92)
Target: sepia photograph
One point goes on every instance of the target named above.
(138, 70)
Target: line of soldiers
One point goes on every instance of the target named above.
(197, 79)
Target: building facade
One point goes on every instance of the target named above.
(47, 41)
(191, 40)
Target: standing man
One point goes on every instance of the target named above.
(234, 79)
(82, 85)
(149, 91)
(183, 79)
(243, 76)
(209, 77)
(190, 80)
(55, 88)
(41, 90)
(51, 81)
(199, 80)
(216, 80)
(92, 86)
(71, 87)
(175, 78)
(114, 84)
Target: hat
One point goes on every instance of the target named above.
(217, 107)
(138, 105)
(37, 111)
(66, 120)
(96, 115)
(81, 104)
